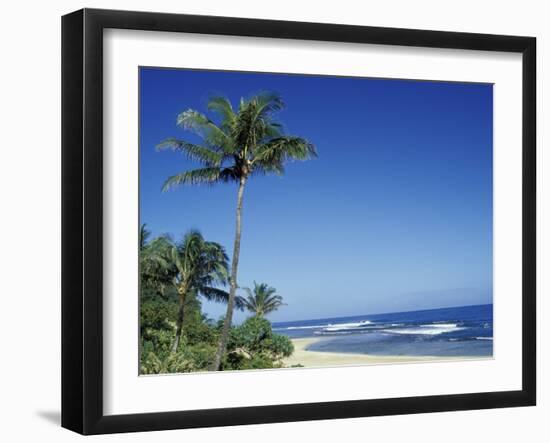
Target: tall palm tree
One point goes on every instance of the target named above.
(261, 300)
(243, 143)
(200, 266)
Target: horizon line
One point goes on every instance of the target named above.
(383, 313)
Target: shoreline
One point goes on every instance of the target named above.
(301, 356)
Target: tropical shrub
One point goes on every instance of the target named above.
(253, 345)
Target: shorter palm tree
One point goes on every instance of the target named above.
(200, 267)
(193, 267)
(261, 300)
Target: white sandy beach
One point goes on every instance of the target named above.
(315, 359)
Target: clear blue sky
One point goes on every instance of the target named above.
(394, 215)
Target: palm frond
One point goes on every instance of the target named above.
(231, 174)
(200, 263)
(209, 175)
(267, 102)
(144, 235)
(205, 128)
(254, 120)
(240, 303)
(214, 294)
(203, 154)
(155, 265)
(222, 106)
(281, 149)
(274, 130)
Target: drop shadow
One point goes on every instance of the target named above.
(53, 417)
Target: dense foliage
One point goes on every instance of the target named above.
(163, 312)
(253, 345)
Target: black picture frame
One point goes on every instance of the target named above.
(82, 218)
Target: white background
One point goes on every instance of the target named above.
(30, 187)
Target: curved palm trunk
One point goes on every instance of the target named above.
(233, 281)
(179, 324)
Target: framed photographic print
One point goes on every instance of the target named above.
(269, 221)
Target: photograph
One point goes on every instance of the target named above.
(291, 220)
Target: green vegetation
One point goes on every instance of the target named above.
(175, 335)
(261, 300)
(253, 345)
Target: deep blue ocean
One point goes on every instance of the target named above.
(459, 331)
